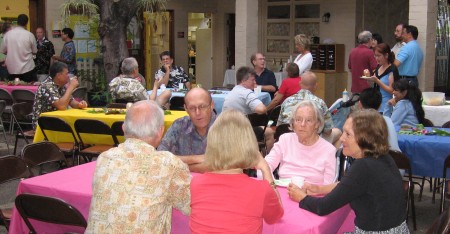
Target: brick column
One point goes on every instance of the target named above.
(246, 31)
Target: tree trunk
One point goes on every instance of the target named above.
(114, 19)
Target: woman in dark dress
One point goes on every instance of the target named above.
(372, 185)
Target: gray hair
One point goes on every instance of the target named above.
(317, 111)
(243, 73)
(364, 37)
(128, 66)
(143, 120)
(56, 68)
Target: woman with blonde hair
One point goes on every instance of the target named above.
(304, 60)
(373, 185)
(225, 200)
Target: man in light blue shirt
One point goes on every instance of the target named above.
(410, 57)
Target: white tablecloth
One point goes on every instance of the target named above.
(230, 77)
(437, 114)
(220, 98)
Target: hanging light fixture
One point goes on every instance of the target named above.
(326, 17)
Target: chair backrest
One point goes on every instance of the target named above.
(258, 119)
(5, 95)
(177, 103)
(427, 123)
(446, 124)
(55, 124)
(22, 111)
(48, 209)
(43, 153)
(274, 114)
(117, 129)
(116, 105)
(401, 160)
(92, 126)
(281, 129)
(441, 224)
(2, 107)
(13, 167)
(80, 93)
(23, 95)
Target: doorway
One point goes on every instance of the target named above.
(36, 15)
(200, 48)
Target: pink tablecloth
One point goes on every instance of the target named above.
(74, 186)
(10, 88)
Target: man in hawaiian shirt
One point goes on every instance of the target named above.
(128, 88)
(135, 187)
(187, 136)
(68, 52)
(309, 85)
(45, 51)
(170, 74)
(53, 95)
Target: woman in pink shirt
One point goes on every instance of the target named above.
(289, 86)
(225, 200)
(303, 152)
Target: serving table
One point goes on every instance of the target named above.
(74, 185)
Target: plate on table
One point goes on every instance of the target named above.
(282, 182)
(365, 77)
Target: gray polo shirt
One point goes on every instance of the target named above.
(241, 99)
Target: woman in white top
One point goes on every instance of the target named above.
(304, 60)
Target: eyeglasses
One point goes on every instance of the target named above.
(302, 120)
(201, 108)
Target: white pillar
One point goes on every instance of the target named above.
(246, 31)
(423, 15)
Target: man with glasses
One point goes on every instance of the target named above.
(186, 137)
(398, 37)
(264, 76)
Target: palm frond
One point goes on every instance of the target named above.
(80, 7)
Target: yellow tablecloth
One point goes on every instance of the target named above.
(71, 115)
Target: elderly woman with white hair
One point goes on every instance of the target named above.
(303, 152)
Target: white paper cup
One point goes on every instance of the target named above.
(180, 86)
(298, 180)
(257, 90)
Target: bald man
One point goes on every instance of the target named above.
(309, 86)
(186, 137)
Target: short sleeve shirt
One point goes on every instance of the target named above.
(177, 76)
(69, 53)
(182, 138)
(411, 57)
(267, 77)
(241, 99)
(45, 51)
(127, 88)
(47, 93)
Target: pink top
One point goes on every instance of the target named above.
(289, 87)
(316, 163)
(232, 203)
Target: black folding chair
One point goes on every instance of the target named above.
(259, 123)
(80, 93)
(274, 114)
(12, 170)
(92, 126)
(48, 209)
(177, 103)
(43, 157)
(117, 130)
(47, 123)
(6, 96)
(2, 127)
(402, 162)
(22, 118)
(23, 95)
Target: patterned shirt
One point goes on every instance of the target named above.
(177, 76)
(183, 139)
(127, 88)
(47, 93)
(45, 51)
(69, 54)
(303, 94)
(134, 189)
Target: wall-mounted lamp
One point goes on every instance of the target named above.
(326, 17)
